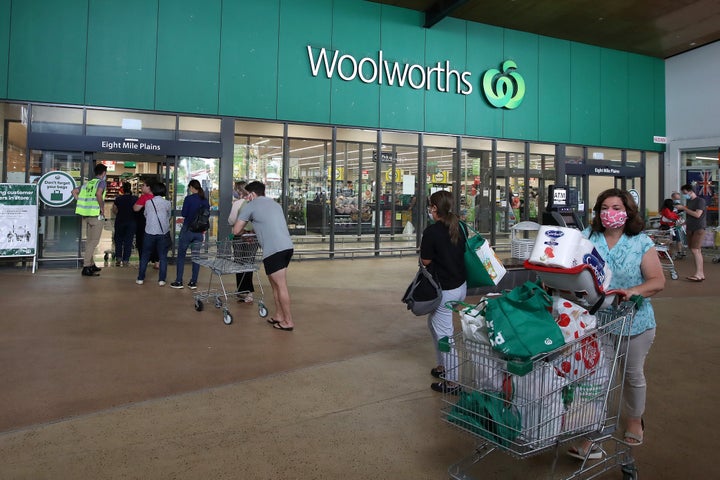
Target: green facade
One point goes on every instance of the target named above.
(249, 59)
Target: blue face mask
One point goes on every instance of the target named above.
(676, 202)
(687, 196)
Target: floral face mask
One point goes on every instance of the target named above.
(613, 218)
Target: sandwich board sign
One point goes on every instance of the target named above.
(19, 220)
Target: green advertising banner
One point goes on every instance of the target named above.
(18, 220)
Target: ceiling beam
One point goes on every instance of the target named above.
(439, 10)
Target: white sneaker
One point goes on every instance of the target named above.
(161, 283)
(139, 282)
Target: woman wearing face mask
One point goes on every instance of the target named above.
(442, 251)
(636, 270)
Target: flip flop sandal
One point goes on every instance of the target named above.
(580, 453)
(638, 439)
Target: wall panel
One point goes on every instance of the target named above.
(248, 60)
(522, 122)
(301, 96)
(48, 50)
(4, 45)
(484, 51)
(121, 53)
(614, 97)
(584, 94)
(188, 56)
(553, 90)
(403, 39)
(356, 31)
(445, 111)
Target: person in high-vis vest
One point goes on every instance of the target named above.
(91, 207)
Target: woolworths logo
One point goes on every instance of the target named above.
(503, 89)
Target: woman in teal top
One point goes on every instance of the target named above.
(636, 270)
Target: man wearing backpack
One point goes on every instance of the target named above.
(195, 211)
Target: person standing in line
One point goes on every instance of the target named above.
(695, 224)
(125, 225)
(616, 233)
(244, 279)
(192, 204)
(272, 232)
(145, 195)
(680, 236)
(91, 207)
(442, 251)
(157, 232)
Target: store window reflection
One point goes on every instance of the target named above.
(476, 183)
(354, 225)
(204, 170)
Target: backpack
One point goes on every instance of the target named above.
(201, 222)
(424, 293)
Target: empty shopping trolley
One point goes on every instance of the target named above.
(239, 255)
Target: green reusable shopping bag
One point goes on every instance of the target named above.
(477, 276)
(520, 324)
(488, 414)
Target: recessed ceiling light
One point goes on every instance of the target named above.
(692, 44)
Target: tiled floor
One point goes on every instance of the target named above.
(105, 379)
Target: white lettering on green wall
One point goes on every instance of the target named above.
(378, 70)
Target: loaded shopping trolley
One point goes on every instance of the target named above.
(525, 408)
(663, 240)
(240, 255)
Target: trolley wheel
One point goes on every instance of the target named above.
(716, 260)
(199, 305)
(629, 472)
(262, 310)
(106, 256)
(674, 275)
(218, 302)
(227, 318)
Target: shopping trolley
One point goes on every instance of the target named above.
(570, 394)
(240, 255)
(663, 239)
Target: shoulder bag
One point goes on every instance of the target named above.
(424, 293)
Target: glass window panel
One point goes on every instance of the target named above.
(574, 154)
(204, 170)
(134, 124)
(633, 158)
(17, 164)
(269, 129)
(309, 131)
(13, 138)
(65, 120)
(604, 155)
(476, 183)
(310, 162)
(199, 129)
(356, 135)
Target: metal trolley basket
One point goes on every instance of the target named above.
(240, 255)
(663, 239)
(558, 401)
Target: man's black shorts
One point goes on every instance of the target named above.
(277, 261)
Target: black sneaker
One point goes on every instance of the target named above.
(192, 285)
(176, 285)
(89, 272)
(446, 388)
(95, 268)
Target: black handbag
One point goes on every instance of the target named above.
(424, 293)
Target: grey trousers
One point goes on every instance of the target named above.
(635, 385)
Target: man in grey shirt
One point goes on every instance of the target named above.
(696, 222)
(271, 229)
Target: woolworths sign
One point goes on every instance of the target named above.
(503, 88)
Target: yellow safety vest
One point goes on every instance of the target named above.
(87, 205)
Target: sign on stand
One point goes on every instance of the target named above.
(19, 220)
